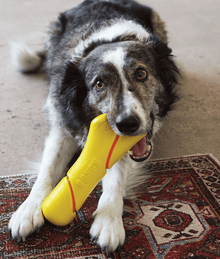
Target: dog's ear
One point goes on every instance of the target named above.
(166, 72)
(165, 65)
(58, 27)
(62, 23)
(73, 89)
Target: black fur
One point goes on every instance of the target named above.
(73, 89)
(95, 12)
(71, 99)
(166, 71)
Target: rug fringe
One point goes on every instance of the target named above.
(16, 175)
(214, 158)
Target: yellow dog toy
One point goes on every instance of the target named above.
(102, 150)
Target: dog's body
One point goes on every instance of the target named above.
(101, 57)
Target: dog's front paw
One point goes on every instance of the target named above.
(26, 220)
(107, 230)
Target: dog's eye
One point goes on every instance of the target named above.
(141, 74)
(100, 84)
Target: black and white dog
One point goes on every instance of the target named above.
(103, 56)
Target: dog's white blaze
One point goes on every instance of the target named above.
(131, 104)
(122, 27)
(116, 57)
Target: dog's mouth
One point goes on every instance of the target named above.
(141, 151)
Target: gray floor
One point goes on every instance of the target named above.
(194, 34)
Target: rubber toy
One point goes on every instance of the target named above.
(102, 150)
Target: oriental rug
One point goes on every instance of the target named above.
(176, 217)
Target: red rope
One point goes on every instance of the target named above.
(72, 194)
(111, 150)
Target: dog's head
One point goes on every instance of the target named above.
(131, 81)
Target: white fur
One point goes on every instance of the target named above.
(22, 58)
(110, 32)
(108, 228)
(116, 57)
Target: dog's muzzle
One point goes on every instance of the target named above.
(128, 125)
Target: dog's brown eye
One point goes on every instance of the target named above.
(141, 74)
(100, 84)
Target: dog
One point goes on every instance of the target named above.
(103, 56)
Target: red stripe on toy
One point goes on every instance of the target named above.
(72, 194)
(111, 150)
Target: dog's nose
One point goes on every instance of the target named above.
(128, 125)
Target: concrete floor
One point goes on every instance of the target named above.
(194, 34)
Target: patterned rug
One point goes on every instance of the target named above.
(178, 216)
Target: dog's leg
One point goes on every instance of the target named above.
(107, 228)
(59, 149)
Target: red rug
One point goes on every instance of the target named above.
(177, 217)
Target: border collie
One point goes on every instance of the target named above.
(103, 56)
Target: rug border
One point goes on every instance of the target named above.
(185, 156)
(158, 159)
